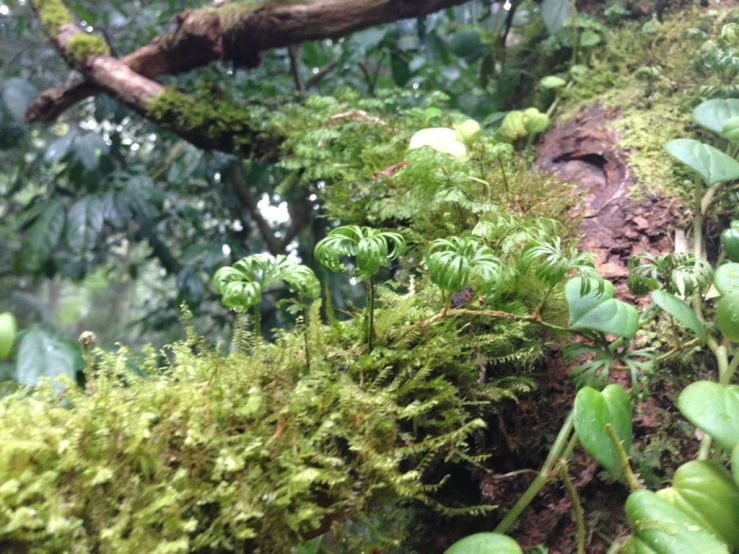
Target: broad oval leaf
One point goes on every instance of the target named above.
(730, 130)
(41, 354)
(88, 148)
(552, 82)
(661, 528)
(555, 13)
(707, 493)
(727, 316)
(17, 95)
(7, 334)
(710, 163)
(726, 279)
(84, 223)
(713, 114)
(592, 411)
(43, 236)
(678, 309)
(714, 408)
(59, 148)
(485, 543)
(600, 312)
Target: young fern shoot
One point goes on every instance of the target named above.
(371, 251)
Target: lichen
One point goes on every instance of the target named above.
(81, 46)
(53, 15)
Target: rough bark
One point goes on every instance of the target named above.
(229, 33)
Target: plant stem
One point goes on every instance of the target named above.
(623, 459)
(576, 505)
(542, 478)
(697, 219)
(305, 335)
(505, 177)
(371, 308)
(575, 38)
(257, 322)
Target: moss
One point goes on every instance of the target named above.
(210, 117)
(53, 15)
(81, 46)
(646, 122)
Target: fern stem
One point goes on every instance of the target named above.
(577, 511)
(543, 477)
(257, 322)
(623, 459)
(305, 335)
(371, 309)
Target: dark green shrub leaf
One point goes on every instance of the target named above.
(710, 163)
(43, 237)
(713, 114)
(17, 95)
(41, 354)
(485, 543)
(593, 410)
(678, 309)
(714, 408)
(84, 223)
(600, 312)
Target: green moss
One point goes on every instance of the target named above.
(645, 122)
(82, 46)
(53, 15)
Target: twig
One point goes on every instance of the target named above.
(241, 188)
(292, 52)
(576, 505)
(321, 74)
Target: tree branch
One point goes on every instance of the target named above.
(241, 188)
(234, 32)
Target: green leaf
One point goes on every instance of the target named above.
(593, 410)
(678, 309)
(453, 262)
(726, 279)
(555, 13)
(589, 38)
(466, 43)
(661, 528)
(43, 236)
(552, 82)
(713, 114)
(730, 130)
(40, 354)
(84, 223)
(313, 546)
(735, 463)
(60, 147)
(600, 312)
(17, 95)
(485, 543)
(88, 148)
(710, 163)
(727, 316)
(7, 334)
(706, 492)
(714, 408)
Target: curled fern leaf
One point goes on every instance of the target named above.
(370, 247)
(551, 263)
(453, 262)
(679, 274)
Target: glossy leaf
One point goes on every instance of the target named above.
(727, 316)
(714, 408)
(84, 223)
(600, 312)
(441, 139)
(7, 334)
(678, 309)
(710, 163)
(661, 528)
(41, 354)
(713, 114)
(555, 13)
(707, 493)
(485, 543)
(726, 279)
(552, 82)
(593, 410)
